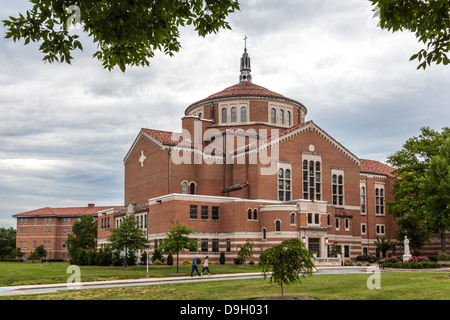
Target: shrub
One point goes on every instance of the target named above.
(169, 259)
(186, 262)
(157, 262)
(222, 258)
(415, 262)
(443, 257)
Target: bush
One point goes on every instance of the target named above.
(157, 262)
(415, 262)
(443, 257)
(169, 259)
(222, 258)
(186, 262)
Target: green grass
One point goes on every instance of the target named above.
(394, 286)
(24, 273)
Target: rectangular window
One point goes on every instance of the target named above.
(228, 245)
(193, 212)
(310, 218)
(363, 228)
(204, 213)
(337, 223)
(215, 213)
(215, 245)
(337, 181)
(284, 182)
(204, 245)
(379, 200)
(317, 218)
(363, 200)
(312, 187)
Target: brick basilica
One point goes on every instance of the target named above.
(247, 166)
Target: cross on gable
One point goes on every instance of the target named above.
(142, 158)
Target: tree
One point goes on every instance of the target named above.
(40, 252)
(436, 192)
(245, 251)
(383, 244)
(7, 242)
(411, 162)
(17, 252)
(83, 236)
(429, 20)
(288, 262)
(128, 236)
(178, 239)
(126, 32)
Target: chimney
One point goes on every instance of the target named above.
(91, 205)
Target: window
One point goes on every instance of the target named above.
(312, 186)
(338, 189)
(309, 218)
(249, 214)
(328, 219)
(264, 234)
(363, 228)
(316, 218)
(255, 214)
(243, 114)
(292, 218)
(233, 114)
(184, 187)
(281, 116)
(284, 183)
(273, 115)
(278, 225)
(224, 115)
(347, 224)
(204, 245)
(288, 120)
(193, 212)
(204, 212)
(192, 188)
(363, 200)
(215, 245)
(228, 245)
(380, 228)
(215, 213)
(379, 201)
(337, 223)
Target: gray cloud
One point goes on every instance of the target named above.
(64, 130)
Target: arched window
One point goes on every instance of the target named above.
(288, 120)
(243, 114)
(255, 214)
(281, 116)
(363, 200)
(200, 115)
(224, 115)
(192, 188)
(264, 234)
(273, 115)
(292, 218)
(184, 188)
(278, 225)
(233, 114)
(249, 214)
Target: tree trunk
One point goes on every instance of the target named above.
(177, 261)
(443, 241)
(282, 293)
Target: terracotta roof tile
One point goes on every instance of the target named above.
(69, 211)
(373, 166)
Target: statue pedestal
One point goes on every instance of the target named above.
(406, 257)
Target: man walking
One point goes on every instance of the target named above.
(194, 266)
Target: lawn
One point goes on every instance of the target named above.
(24, 273)
(394, 286)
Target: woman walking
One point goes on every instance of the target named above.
(205, 266)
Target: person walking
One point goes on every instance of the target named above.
(205, 266)
(194, 266)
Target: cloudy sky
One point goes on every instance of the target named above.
(65, 129)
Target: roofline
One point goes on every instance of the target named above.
(246, 96)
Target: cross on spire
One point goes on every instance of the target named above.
(245, 43)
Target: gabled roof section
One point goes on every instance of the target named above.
(294, 131)
(376, 167)
(69, 211)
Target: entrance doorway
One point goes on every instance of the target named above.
(314, 245)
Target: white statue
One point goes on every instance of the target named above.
(407, 254)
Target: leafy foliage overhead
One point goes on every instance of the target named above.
(127, 32)
(429, 20)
